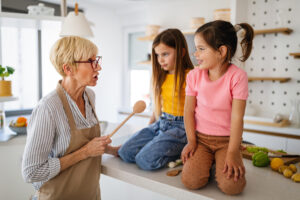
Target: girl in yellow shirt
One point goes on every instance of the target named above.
(163, 140)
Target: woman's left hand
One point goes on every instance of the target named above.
(234, 166)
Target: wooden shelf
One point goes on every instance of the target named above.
(9, 98)
(280, 79)
(274, 30)
(147, 38)
(146, 62)
(296, 55)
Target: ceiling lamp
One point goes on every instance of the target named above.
(75, 24)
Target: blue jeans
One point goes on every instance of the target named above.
(154, 146)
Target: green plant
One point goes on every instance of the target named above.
(6, 71)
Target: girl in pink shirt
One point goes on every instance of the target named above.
(216, 94)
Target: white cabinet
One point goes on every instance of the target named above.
(12, 185)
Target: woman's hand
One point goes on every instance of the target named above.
(188, 151)
(234, 166)
(97, 146)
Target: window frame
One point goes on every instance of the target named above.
(126, 68)
(28, 111)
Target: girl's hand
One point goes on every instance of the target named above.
(97, 146)
(188, 151)
(234, 166)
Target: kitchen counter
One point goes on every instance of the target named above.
(262, 183)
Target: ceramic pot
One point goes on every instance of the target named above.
(5, 88)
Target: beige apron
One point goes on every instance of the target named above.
(80, 181)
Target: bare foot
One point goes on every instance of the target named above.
(112, 150)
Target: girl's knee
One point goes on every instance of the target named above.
(193, 182)
(142, 161)
(230, 187)
(126, 155)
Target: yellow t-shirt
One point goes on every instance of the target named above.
(170, 102)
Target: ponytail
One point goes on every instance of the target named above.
(246, 42)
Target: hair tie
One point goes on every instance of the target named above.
(237, 27)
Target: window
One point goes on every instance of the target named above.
(137, 84)
(19, 50)
(27, 51)
(140, 71)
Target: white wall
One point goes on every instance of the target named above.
(108, 38)
(109, 27)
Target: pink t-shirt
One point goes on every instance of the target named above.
(214, 98)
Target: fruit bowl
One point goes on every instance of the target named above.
(18, 130)
(19, 126)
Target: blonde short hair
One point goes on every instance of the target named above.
(67, 50)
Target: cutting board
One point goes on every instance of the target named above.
(286, 161)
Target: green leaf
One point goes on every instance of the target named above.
(2, 70)
(10, 70)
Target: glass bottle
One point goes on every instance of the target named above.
(2, 117)
(295, 113)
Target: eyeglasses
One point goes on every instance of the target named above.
(94, 63)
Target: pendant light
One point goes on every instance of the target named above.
(75, 24)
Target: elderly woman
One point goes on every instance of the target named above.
(63, 151)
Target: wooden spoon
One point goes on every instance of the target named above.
(174, 172)
(138, 107)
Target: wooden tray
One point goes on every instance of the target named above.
(286, 161)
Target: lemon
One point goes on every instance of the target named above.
(276, 163)
(293, 168)
(287, 173)
(282, 168)
(296, 177)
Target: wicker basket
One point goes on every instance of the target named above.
(196, 22)
(5, 88)
(152, 30)
(222, 14)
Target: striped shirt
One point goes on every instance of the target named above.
(48, 136)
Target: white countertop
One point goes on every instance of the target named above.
(262, 183)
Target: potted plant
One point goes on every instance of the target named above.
(5, 86)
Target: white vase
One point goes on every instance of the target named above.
(295, 113)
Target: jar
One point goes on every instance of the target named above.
(40, 9)
(2, 117)
(295, 113)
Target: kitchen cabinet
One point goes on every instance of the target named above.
(12, 185)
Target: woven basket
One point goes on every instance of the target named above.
(222, 14)
(196, 22)
(5, 88)
(152, 30)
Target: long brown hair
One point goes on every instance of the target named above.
(218, 33)
(174, 39)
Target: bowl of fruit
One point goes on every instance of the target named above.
(19, 126)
